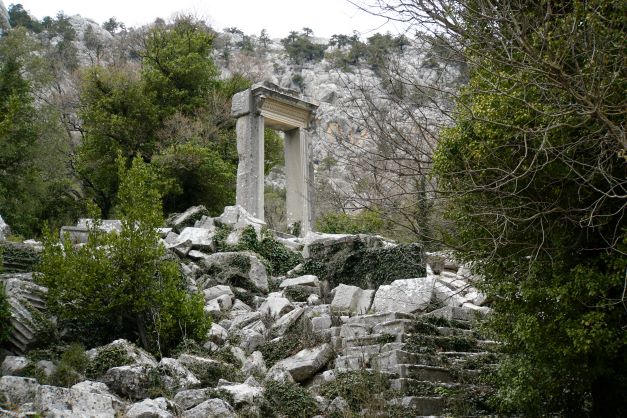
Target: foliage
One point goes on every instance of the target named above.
(18, 134)
(5, 315)
(300, 48)
(364, 222)
(288, 399)
(105, 359)
(18, 257)
(360, 264)
(362, 389)
(119, 285)
(193, 175)
(71, 367)
(536, 167)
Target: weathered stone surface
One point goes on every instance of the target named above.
(62, 402)
(307, 362)
(130, 381)
(351, 299)
(255, 365)
(137, 355)
(409, 295)
(240, 321)
(276, 305)
(187, 218)
(218, 333)
(250, 339)
(287, 320)
(92, 387)
(176, 376)
(306, 280)
(321, 323)
(187, 399)
(243, 393)
(214, 408)
(13, 365)
(18, 390)
(233, 267)
(219, 290)
(24, 298)
(4, 228)
(201, 239)
(151, 408)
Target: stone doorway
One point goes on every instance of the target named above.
(267, 105)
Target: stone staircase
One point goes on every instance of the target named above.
(433, 361)
(25, 299)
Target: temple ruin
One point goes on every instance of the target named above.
(267, 105)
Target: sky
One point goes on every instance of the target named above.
(278, 17)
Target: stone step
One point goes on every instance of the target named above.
(391, 359)
(364, 349)
(372, 339)
(422, 405)
(378, 318)
(450, 331)
(425, 373)
(350, 363)
(395, 326)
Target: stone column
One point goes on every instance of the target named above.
(250, 150)
(297, 177)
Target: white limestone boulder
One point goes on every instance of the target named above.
(153, 408)
(276, 305)
(243, 394)
(406, 295)
(13, 365)
(136, 355)
(214, 408)
(304, 364)
(187, 218)
(175, 376)
(254, 365)
(351, 300)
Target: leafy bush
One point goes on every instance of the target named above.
(120, 285)
(288, 399)
(361, 264)
(364, 222)
(106, 359)
(301, 49)
(359, 389)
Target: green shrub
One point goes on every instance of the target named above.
(361, 264)
(120, 285)
(359, 389)
(106, 359)
(364, 222)
(288, 399)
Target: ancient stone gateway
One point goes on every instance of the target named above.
(267, 105)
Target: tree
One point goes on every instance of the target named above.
(120, 285)
(113, 25)
(533, 172)
(18, 135)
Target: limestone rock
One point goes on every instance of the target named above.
(276, 305)
(215, 408)
(250, 339)
(201, 239)
(62, 402)
(18, 390)
(351, 299)
(232, 268)
(130, 381)
(176, 376)
(24, 298)
(218, 333)
(306, 280)
(255, 365)
(187, 399)
(287, 321)
(243, 393)
(13, 365)
(219, 290)
(307, 362)
(4, 228)
(151, 408)
(187, 218)
(92, 387)
(408, 295)
(137, 355)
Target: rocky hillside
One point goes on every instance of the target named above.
(327, 325)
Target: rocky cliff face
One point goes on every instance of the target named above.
(4, 18)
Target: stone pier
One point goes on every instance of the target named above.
(267, 105)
